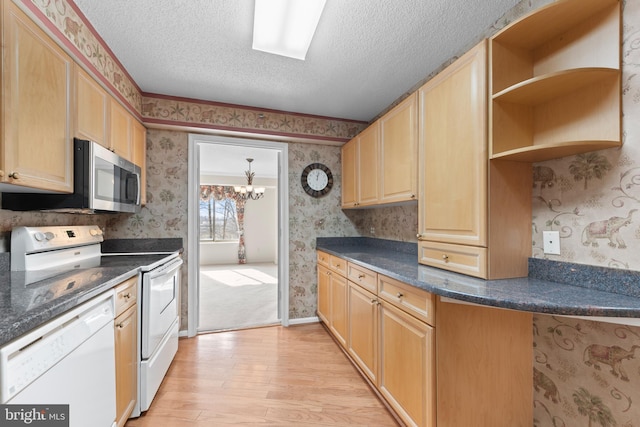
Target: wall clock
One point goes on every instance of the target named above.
(316, 179)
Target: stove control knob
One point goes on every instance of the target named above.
(95, 232)
(49, 235)
(39, 236)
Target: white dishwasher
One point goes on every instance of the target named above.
(69, 360)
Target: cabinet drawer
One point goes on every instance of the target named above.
(412, 300)
(471, 260)
(126, 294)
(323, 258)
(363, 277)
(338, 265)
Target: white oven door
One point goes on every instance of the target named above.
(160, 289)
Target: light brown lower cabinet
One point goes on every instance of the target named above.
(324, 294)
(407, 379)
(392, 348)
(363, 330)
(476, 369)
(339, 307)
(332, 295)
(126, 350)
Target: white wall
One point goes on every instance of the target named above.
(261, 228)
(260, 233)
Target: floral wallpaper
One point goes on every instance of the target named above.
(189, 112)
(11, 219)
(310, 218)
(593, 199)
(585, 373)
(588, 373)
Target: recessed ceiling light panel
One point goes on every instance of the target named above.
(286, 27)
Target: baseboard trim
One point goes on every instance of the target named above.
(304, 320)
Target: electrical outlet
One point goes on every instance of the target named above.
(551, 242)
(372, 231)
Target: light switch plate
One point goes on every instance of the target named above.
(551, 242)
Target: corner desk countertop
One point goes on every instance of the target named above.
(557, 288)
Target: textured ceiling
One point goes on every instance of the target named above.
(365, 53)
(231, 160)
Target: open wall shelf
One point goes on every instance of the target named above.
(555, 82)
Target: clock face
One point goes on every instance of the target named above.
(316, 179)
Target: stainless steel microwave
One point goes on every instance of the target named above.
(102, 182)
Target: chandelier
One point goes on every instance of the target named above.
(249, 191)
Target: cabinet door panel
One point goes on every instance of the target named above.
(92, 103)
(349, 173)
(36, 106)
(453, 153)
(120, 130)
(407, 379)
(126, 340)
(324, 294)
(398, 152)
(338, 308)
(368, 165)
(363, 327)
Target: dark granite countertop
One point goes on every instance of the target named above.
(30, 299)
(552, 287)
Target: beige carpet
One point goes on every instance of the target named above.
(238, 296)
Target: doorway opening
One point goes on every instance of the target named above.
(238, 274)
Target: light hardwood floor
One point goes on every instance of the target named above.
(272, 376)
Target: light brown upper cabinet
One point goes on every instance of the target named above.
(37, 82)
(360, 169)
(379, 165)
(474, 216)
(398, 152)
(120, 130)
(92, 103)
(555, 82)
(348, 154)
(100, 118)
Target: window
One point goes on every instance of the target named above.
(218, 220)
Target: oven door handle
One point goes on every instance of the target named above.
(166, 269)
